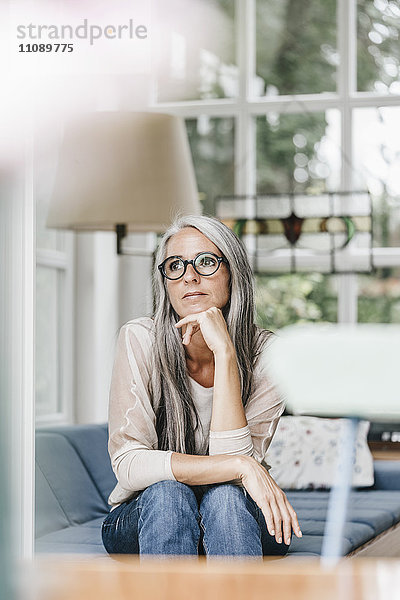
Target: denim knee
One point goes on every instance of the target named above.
(170, 498)
(163, 493)
(119, 529)
(224, 501)
(169, 519)
(228, 523)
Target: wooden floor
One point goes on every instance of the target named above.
(98, 578)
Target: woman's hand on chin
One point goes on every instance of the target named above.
(213, 327)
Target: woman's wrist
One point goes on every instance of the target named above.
(225, 351)
(243, 465)
(203, 470)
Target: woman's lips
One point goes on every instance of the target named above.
(197, 295)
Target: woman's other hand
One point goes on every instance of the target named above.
(213, 327)
(279, 514)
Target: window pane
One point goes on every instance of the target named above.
(378, 48)
(49, 308)
(296, 49)
(377, 168)
(212, 144)
(295, 298)
(298, 152)
(195, 49)
(379, 297)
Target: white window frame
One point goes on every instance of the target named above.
(243, 109)
(62, 261)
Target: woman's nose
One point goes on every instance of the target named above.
(190, 273)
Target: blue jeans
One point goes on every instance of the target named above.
(172, 518)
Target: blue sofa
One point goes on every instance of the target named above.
(74, 478)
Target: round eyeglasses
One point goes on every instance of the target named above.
(205, 263)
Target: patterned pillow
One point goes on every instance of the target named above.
(304, 453)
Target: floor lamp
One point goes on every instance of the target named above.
(339, 370)
(123, 171)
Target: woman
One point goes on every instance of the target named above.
(192, 410)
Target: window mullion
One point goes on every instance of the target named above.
(244, 134)
(347, 298)
(347, 45)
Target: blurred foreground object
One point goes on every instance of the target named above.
(123, 171)
(339, 371)
(124, 578)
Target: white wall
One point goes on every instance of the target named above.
(135, 294)
(95, 322)
(110, 290)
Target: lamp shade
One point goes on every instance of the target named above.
(338, 370)
(123, 167)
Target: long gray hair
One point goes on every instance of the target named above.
(176, 415)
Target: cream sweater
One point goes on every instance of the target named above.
(135, 459)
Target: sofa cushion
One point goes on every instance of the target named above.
(370, 513)
(68, 479)
(90, 443)
(49, 515)
(79, 538)
(305, 451)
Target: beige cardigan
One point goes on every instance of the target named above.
(135, 459)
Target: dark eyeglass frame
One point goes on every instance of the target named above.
(220, 259)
